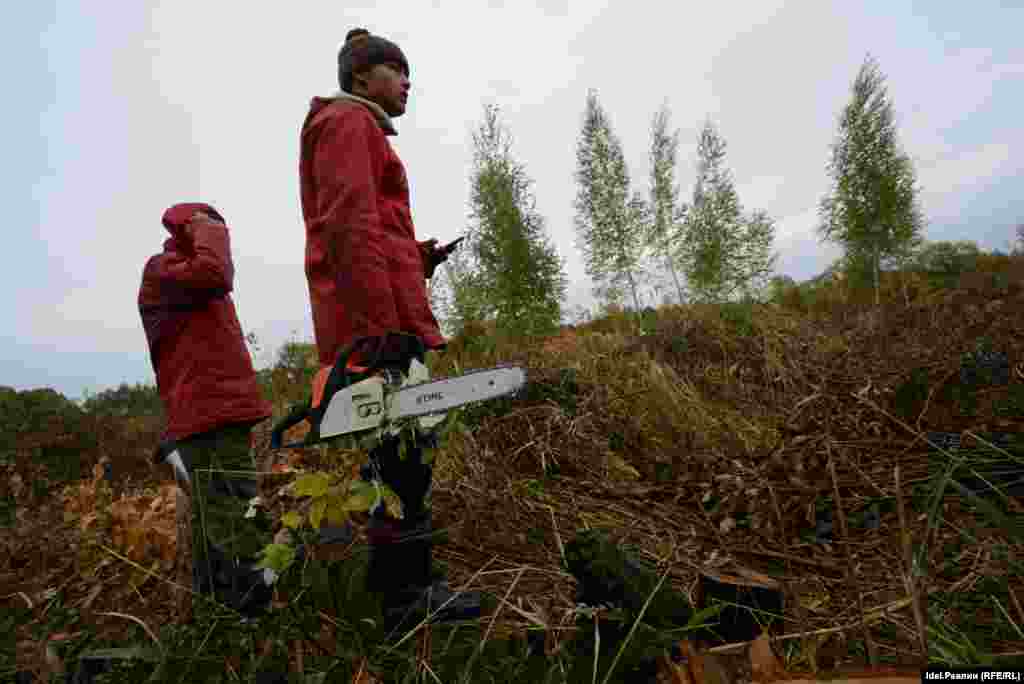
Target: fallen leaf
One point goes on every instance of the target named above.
(620, 465)
(364, 676)
(673, 673)
(689, 669)
(765, 666)
(714, 669)
(757, 578)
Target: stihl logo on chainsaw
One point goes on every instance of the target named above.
(431, 396)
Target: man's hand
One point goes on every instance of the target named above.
(433, 256)
(195, 220)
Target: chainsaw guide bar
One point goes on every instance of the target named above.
(369, 404)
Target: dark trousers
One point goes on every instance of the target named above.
(409, 477)
(223, 478)
(401, 549)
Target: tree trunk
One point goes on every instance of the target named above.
(632, 287)
(183, 557)
(878, 280)
(675, 278)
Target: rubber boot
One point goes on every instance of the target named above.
(252, 589)
(401, 562)
(237, 584)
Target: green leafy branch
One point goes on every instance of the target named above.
(333, 497)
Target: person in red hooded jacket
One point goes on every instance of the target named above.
(364, 266)
(367, 277)
(211, 398)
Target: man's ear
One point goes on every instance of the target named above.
(360, 83)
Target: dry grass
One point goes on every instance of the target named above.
(708, 444)
(763, 425)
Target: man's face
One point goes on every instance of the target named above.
(387, 85)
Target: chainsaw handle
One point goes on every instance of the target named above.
(380, 356)
(164, 449)
(383, 350)
(305, 411)
(297, 415)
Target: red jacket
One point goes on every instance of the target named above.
(203, 369)
(364, 266)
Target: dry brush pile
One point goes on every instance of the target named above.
(716, 443)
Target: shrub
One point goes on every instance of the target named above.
(47, 426)
(125, 400)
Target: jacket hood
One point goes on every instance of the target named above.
(386, 124)
(177, 216)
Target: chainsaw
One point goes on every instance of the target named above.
(392, 392)
(363, 405)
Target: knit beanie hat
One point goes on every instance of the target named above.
(177, 216)
(363, 50)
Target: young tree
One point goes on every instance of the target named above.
(518, 278)
(723, 252)
(609, 221)
(756, 260)
(459, 294)
(947, 257)
(665, 208)
(872, 209)
(778, 286)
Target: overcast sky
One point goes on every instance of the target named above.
(117, 110)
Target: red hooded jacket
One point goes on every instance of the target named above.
(364, 267)
(203, 369)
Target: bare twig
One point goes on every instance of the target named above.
(1016, 603)
(300, 663)
(426, 620)
(791, 557)
(871, 615)
(558, 537)
(1009, 619)
(24, 597)
(918, 434)
(142, 624)
(928, 399)
(494, 618)
(869, 642)
(909, 576)
(147, 571)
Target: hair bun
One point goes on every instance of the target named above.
(356, 33)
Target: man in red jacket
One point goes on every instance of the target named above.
(211, 399)
(367, 278)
